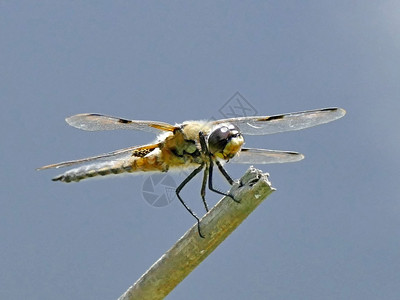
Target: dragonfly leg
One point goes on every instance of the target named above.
(203, 143)
(223, 172)
(210, 183)
(203, 188)
(179, 188)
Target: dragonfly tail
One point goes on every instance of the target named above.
(135, 164)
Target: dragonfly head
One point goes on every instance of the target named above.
(225, 141)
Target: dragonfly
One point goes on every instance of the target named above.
(192, 145)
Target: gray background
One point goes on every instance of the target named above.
(330, 231)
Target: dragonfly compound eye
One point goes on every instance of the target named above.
(225, 141)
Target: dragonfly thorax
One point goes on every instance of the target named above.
(225, 141)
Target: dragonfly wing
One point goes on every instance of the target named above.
(95, 122)
(286, 122)
(110, 156)
(264, 156)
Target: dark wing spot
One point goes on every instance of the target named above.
(141, 152)
(329, 109)
(271, 118)
(124, 121)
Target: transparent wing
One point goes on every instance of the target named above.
(260, 125)
(110, 156)
(95, 122)
(264, 156)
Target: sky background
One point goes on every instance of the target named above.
(330, 231)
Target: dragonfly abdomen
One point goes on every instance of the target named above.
(133, 164)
